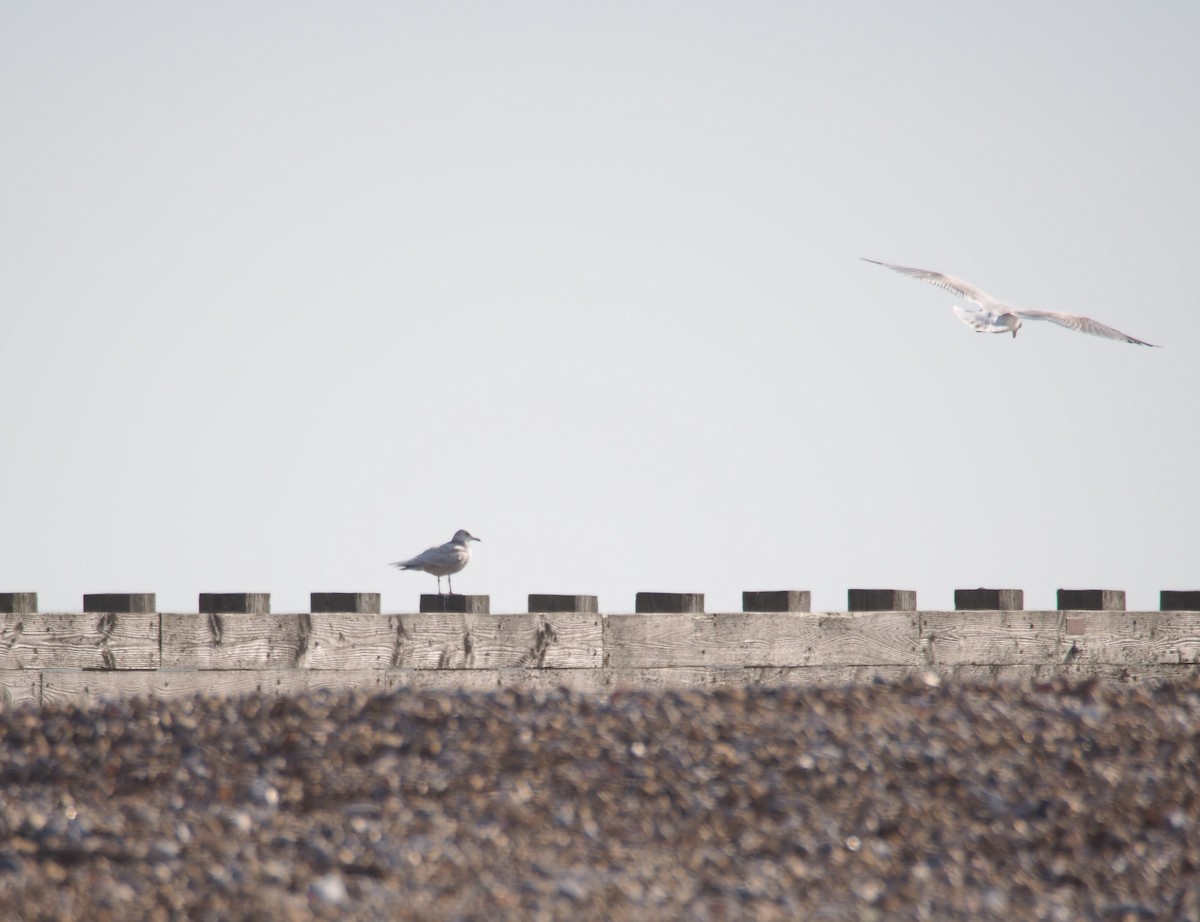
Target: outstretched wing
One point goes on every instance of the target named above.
(947, 282)
(1081, 324)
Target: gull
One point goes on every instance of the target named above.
(444, 560)
(996, 317)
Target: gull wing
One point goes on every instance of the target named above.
(947, 282)
(1081, 324)
(433, 556)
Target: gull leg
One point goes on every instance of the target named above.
(450, 580)
(439, 579)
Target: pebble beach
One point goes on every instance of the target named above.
(921, 799)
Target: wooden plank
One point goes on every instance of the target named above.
(1131, 638)
(83, 641)
(469, 641)
(886, 638)
(20, 686)
(1177, 636)
(741, 639)
(90, 687)
(1125, 638)
(98, 686)
(1048, 672)
(649, 641)
(239, 641)
(994, 638)
(356, 641)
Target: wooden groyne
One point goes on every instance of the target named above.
(120, 646)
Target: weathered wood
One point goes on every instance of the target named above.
(632, 641)
(554, 603)
(366, 603)
(666, 603)
(1174, 637)
(79, 641)
(990, 638)
(19, 686)
(881, 599)
(235, 603)
(760, 639)
(1132, 638)
(83, 656)
(498, 641)
(989, 599)
(777, 600)
(91, 687)
(96, 686)
(1112, 637)
(456, 604)
(120, 602)
(1091, 600)
(1173, 600)
(351, 641)
(216, 641)
(12, 603)
(829, 638)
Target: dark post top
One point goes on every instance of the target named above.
(456, 604)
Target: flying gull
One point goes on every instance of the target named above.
(996, 317)
(444, 560)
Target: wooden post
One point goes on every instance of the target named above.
(989, 600)
(882, 599)
(777, 600)
(456, 604)
(670, 603)
(1091, 600)
(18, 603)
(235, 603)
(587, 604)
(363, 603)
(1174, 600)
(119, 602)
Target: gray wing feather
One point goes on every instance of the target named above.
(946, 282)
(433, 555)
(1081, 324)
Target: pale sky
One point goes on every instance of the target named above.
(290, 291)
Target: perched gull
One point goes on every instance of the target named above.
(995, 317)
(445, 560)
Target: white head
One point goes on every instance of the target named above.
(462, 536)
(1012, 321)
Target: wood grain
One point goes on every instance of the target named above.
(19, 686)
(994, 638)
(761, 639)
(55, 657)
(237, 641)
(80, 641)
